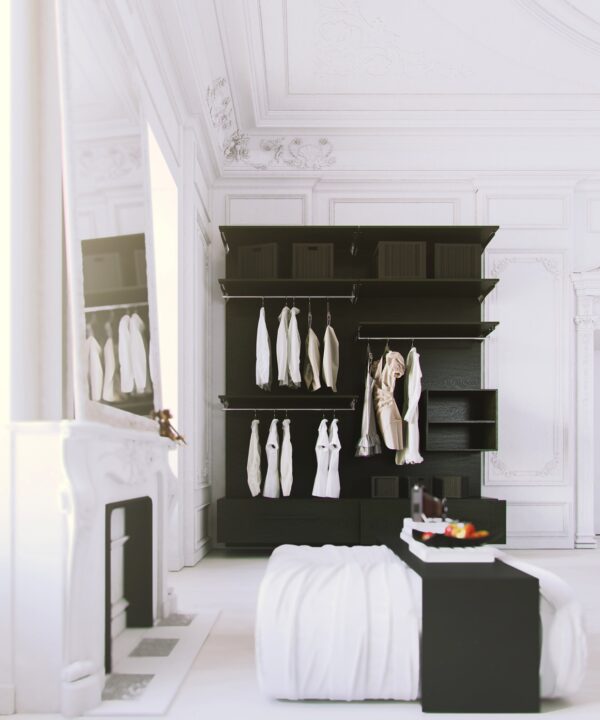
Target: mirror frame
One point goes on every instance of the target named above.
(85, 409)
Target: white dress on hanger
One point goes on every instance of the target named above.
(369, 443)
(333, 474)
(322, 453)
(125, 368)
(139, 360)
(253, 464)
(94, 365)
(263, 353)
(294, 342)
(410, 454)
(312, 361)
(285, 465)
(388, 415)
(108, 387)
(282, 346)
(331, 358)
(272, 482)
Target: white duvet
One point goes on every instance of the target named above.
(341, 623)
(337, 623)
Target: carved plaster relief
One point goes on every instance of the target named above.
(102, 163)
(242, 150)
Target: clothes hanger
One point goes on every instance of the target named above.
(262, 302)
(328, 313)
(309, 314)
(255, 414)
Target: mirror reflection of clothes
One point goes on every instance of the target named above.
(410, 454)
(285, 464)
(386, 372)
(125, 369)
(94, 367)
(108, 387)
(272, 482)
(139, 360)
(253, 464)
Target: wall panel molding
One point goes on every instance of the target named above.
(538, 519)
(529, 370)
(528, 211)
(276, 208)
(409, 210)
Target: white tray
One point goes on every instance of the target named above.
(483, 554)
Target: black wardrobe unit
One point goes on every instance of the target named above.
(408, 284)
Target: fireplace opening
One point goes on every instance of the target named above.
(128, 570)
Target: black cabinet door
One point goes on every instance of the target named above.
(298, 521)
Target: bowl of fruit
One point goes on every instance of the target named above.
(456, 534)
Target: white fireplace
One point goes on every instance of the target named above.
(64, 477)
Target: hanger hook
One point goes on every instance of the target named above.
(262, 302)
(328, 313)
(412, 342)
(255, 413)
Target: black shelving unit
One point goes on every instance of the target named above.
(460, 420)
(447, 310)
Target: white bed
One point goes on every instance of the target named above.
(344, 623)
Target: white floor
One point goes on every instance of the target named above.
(221, 682)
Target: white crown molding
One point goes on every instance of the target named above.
(567, 20)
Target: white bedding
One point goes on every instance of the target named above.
(342, 623)
(337, 623)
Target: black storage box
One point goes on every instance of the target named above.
(457, 261)
(257, 262)
(385, 486)
(312, 261)
(401, 260)
(451, 486)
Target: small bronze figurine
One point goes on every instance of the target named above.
(165, 429)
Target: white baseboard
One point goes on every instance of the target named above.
(7, 699)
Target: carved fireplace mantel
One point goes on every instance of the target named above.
(587, 321)
(64, 476)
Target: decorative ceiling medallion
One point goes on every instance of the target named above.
(275, 153)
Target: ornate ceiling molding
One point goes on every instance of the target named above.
(566, 18)
(242, 150)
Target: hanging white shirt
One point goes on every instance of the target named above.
(263, 353)
(312, 361)
(253, 464)
(108, 387)
(285, 465)
(94, 366)
(282, 346)
(410, 454)
(294, 342)
(272, 482)
(139, 360)
(333, 474)
(331, 358)
(322, 453)
(125, 368)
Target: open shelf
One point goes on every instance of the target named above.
(320, 401)
(425, 330)
(287, 287)
(460, 420)
(357, 287)
(359, 239)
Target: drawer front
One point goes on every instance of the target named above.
(381, 521)
(260, 521)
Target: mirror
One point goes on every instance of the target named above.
(108, 221)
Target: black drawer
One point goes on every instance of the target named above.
(298, 521)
